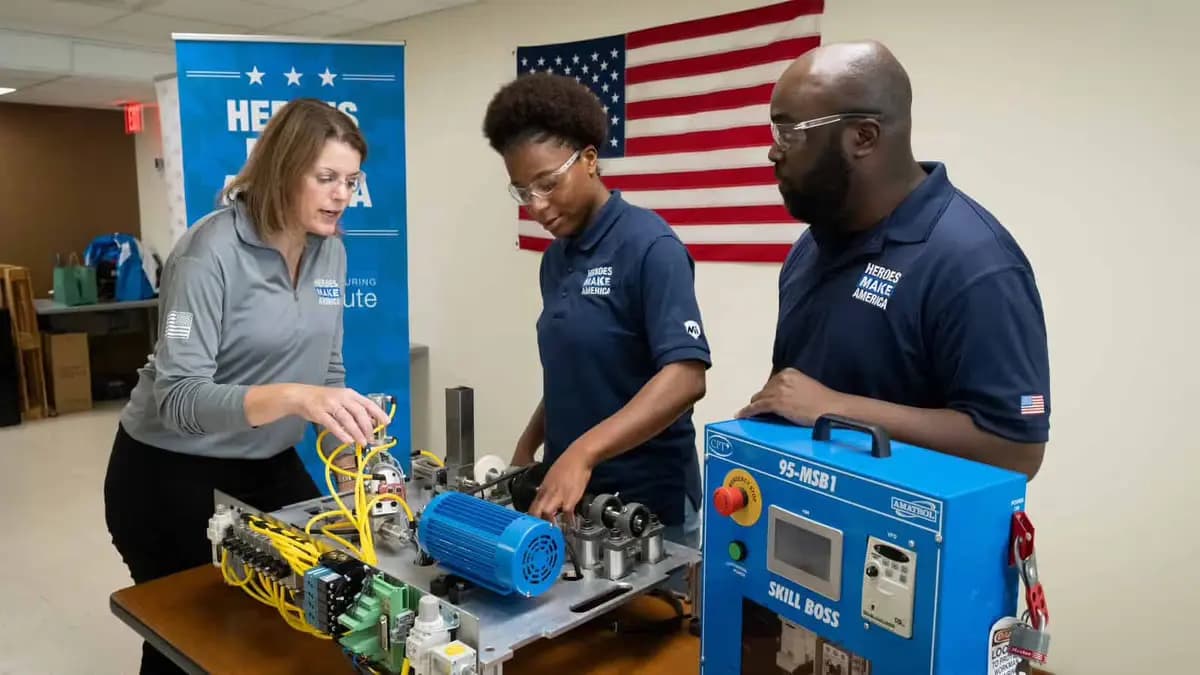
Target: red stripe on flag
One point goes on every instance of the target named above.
(696, 141)
(783, 50)
(760, 253)
(687, 105)
(726, 23)
(726, 215)
(716, 178)
(533, 243)
(756, 253)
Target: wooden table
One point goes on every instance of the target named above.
(208, 627)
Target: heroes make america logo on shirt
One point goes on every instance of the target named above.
(328, 292)
(876, 285)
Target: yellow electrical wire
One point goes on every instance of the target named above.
(434, 458)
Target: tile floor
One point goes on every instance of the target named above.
(60, 565)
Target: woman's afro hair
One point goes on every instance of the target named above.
(541, 106)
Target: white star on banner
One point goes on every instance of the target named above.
(255, 76)
(614, 142)
(615, 119)
(575, 59)
(614, 53)
(293, 77)
(326, 77)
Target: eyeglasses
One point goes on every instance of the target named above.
(352, 183)
(543, 186)
(791, 134)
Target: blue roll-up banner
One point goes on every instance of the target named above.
(229, 86)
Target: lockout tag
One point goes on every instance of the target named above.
(1000, 661)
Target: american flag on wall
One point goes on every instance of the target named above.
(688, 107)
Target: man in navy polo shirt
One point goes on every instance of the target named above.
(905, 304)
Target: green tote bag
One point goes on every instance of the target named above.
(74, 283)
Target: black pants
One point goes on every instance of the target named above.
(157, 504)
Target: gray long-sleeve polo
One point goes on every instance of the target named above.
(230, 318)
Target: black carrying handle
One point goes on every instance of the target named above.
(881, 443)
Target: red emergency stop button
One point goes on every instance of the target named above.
(729, 500)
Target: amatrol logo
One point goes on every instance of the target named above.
(919, 510)
(720, 446)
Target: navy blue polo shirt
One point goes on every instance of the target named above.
(619, 304)
(937, 307)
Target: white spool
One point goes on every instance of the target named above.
(489, 467)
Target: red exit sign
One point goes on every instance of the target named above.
(133, 118)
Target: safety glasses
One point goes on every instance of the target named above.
(789, 135)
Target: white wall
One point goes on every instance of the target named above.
(1049, 114)
(152, 187)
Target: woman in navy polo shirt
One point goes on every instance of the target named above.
(623, 354)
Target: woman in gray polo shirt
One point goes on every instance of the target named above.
(249, 351)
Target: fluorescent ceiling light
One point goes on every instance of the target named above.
(6, 90)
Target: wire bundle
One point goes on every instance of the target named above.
(302, 552)
(270, 592)
(360, 517)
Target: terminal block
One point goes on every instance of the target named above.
(329, 590)
(377, 623)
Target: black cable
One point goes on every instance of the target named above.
(500, 479)
(574, 561)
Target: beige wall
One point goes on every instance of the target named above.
(152, 190)
(1047, 113)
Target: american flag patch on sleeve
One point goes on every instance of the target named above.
(179, 325)
(1033, 404)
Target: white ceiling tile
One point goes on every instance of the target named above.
(148, 24)
(308, 5)
(19, 79)
(236, 12)
(83, 93)
(383, 11)
(320, 25)
(55, 13)
(159, 42)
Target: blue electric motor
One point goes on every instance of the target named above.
(495, 547)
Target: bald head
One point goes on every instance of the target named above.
(848, 77)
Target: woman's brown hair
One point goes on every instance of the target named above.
(288, 147)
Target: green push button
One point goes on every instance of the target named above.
(737, 551)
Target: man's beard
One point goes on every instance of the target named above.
(822, 201)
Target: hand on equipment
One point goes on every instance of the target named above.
(563, 486)
(347, 414)
(792, 395)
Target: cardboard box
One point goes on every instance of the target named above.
(68, 371)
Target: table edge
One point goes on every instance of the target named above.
(150, 635)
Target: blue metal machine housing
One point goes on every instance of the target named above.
(900, 558)
(495, 547)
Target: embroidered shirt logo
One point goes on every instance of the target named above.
(692, 328)
(1033, 404)
(598, 281)
(877, 285)
(328, 292)
(178, 326)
